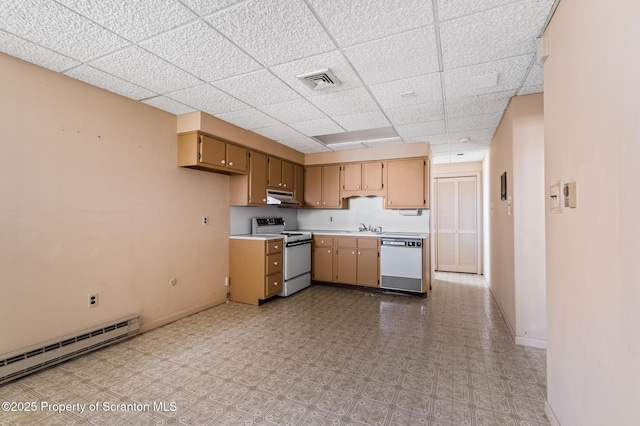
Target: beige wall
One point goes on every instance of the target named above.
(456, 168)
(91, 201)
(516, 270)
(592, 137)
(369, 154)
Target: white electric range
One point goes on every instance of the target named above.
(297, 252)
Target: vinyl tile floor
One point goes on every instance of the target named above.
(324, 356)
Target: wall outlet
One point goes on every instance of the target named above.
(93, 300)
(205, 220)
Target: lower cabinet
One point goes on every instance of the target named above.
(322, 259)
(263, 278)
(346, 260)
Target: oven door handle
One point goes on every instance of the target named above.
(298, 243)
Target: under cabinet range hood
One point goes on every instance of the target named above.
(283, 198)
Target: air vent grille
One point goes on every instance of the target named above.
(319, 80)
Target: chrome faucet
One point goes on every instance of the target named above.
(362, 227)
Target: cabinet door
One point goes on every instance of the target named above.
(236, 158)
(372, 175)
(331, 186)
(352, 177)
(287, 176)
(322, 267)
(346, 268)
(212, 151)
(273, 284)
(406, 183)
(275, 173)
(298, 183)
(257, 179)
(313, 186)
(368, 267)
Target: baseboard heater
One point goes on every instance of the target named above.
(26, 361)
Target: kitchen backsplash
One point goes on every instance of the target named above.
(367, 210)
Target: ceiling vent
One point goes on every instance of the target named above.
(319, 80)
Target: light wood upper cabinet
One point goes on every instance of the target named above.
(199, 151)
(362, 179)
(322, 187)
(298, 183)
(281, 174)
(407, 186)
(287, 175)
(251, 189)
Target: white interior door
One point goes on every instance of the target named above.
(457, 224)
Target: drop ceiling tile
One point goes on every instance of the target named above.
(208, 99)
(421, 129)
(332, 60)
(357, 21)
(473, 135)
(206, 7)
(36, 54)
(535, 76)
(305, 145)
(55, 27)
(392, 58)
(320, 126)
(202, 51)
(480, 104)
(529, 90)
(345, 102)
(277, 133)
(249, 119)
(474, 122)
(293, 111)
(498, 33)
(437, 149)
(384, 142)
(426, 88)
(133, 20)
(273, 32)
(511, 72)
(257, 88)
(146, 70)
(431, 139)
(416, 113)
(448, 9)
(168, 105)
(363, 121)
(472, 146)
(468, 156)
(108, 82)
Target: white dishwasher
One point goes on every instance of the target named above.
(401, 264)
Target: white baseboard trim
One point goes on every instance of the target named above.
(533, 343)
(553, 420)
(178, 315)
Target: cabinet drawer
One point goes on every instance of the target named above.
(274, 263)
(273, 284)
(274, 246)
(368, 242)
(323, 241)
(350, 242)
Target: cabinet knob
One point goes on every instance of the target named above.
(284, 184)
(353, 252)
(359, 253)
(275, 283)
(366, 187)
(317, 203)
(322, 242)
(275, 263)
(324, 203)
(357, 186)
(280, 184)
(275, 247)
(389, 202)
(264, 200)
(223, 161)
(230, 163)
(328, 251)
